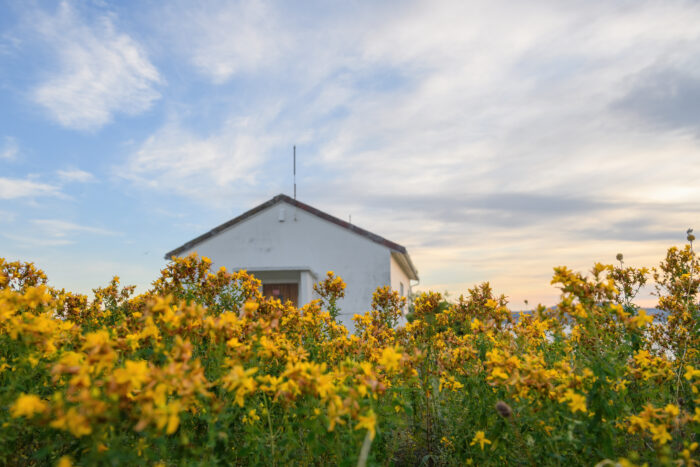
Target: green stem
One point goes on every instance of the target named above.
(272, 436)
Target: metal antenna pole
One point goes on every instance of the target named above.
(295, 172)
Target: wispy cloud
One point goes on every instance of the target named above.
(59, 228)
(9, 149)
(35, 242)
(205, 167)
(75, 175)
(9, 43)
(12, 188)
(101, 72)
(41, 233)
(221, 39)
(665, 96)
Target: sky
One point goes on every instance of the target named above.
(494, 139)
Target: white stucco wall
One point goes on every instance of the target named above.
(309, 242)
(398, 277)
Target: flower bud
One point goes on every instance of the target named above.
(503, 409)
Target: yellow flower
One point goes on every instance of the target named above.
(696, 417)
(660, 434)
(672, 410)
(579, 311)
(369, 422)
(269, 383)
(251, 417)
(269, 348)
(64, 461)
(35, 296)
(71, 359)
(74, 422)
(241, 381)
(233, 343)
(577, 402)
(691, 372)
(362, 390)
(250, 307)
(642, 319)
(450, 382)
(625, 463)
(168, 417)
(390, 359)
(480, 438)
(96, 339)
(324, 385)
(134, 373)
(27, 405)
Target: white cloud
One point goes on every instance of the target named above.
(209, 167)
(221, 39)
(39, 234)
(9, 149)
(12, 188)
(102, 71)
(75, 175)
(35, 242)
(9, 43)
(484, 94)
(58, 228)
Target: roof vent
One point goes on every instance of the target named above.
(281, 215)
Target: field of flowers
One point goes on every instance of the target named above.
(204, 370)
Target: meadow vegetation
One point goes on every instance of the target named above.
(204, 370)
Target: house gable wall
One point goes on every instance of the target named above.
(398, 277)
(309, 242)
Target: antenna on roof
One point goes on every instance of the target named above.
(295, 181)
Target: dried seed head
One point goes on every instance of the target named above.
(503, 409)
(619, 256)
(690, 236)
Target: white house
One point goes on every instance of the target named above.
(290, 245)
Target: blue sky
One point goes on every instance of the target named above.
(494, 139)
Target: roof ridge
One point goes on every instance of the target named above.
(310, 209)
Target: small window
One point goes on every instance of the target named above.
(401, 284)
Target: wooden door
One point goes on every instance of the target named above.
(283, 292)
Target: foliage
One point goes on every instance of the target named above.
(202, 369)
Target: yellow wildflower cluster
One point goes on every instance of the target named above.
(203, 368)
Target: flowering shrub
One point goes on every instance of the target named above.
(202, 369)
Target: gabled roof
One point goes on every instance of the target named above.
(395, 247)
